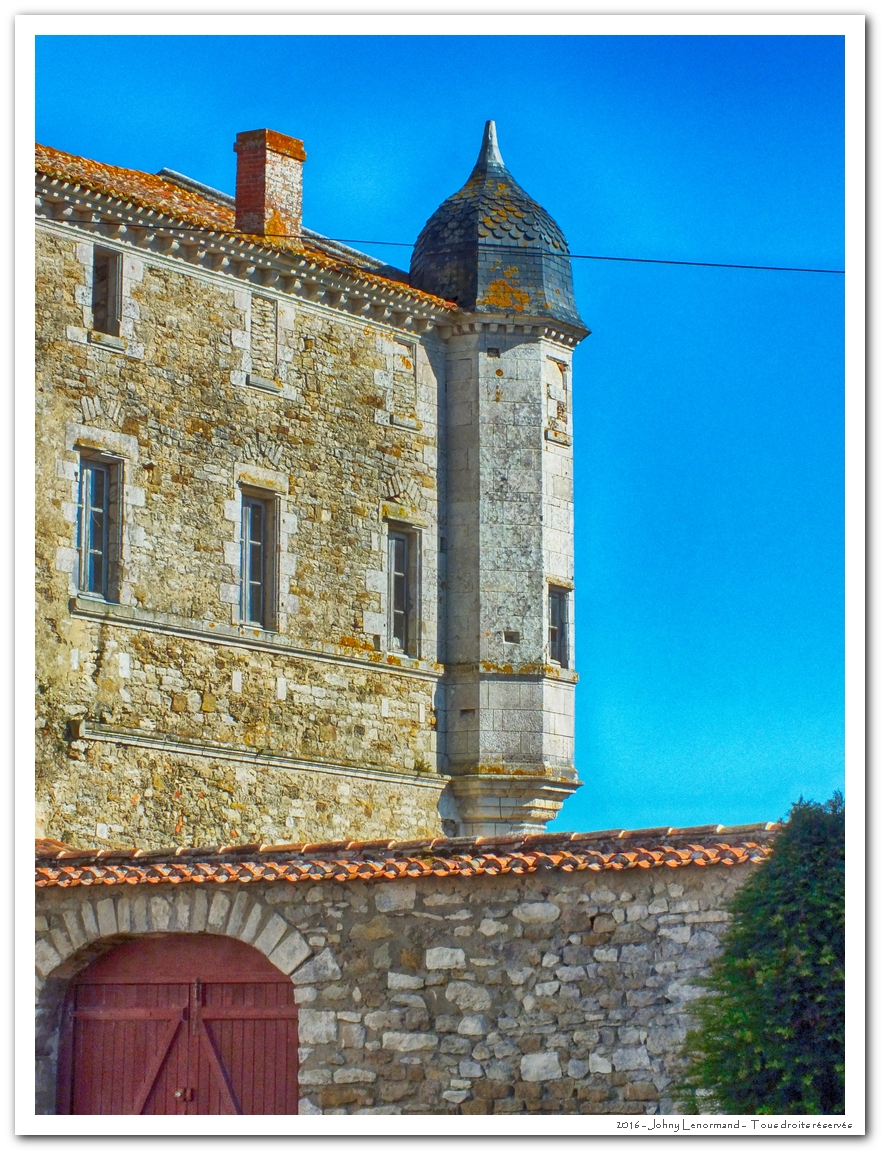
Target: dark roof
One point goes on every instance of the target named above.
(493, 249)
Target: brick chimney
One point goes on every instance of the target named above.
(269, 183)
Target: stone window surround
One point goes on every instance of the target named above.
(131, 271)
(406, 521)
(121, 451)
(566, 587)
(273, 488)
(412, 586)
(109, 549)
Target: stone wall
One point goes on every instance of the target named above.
(552, 992)
(204, 392)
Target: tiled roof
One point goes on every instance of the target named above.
(59, 865)
(147, 191)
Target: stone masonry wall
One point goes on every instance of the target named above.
(170, 661)
(553, 992)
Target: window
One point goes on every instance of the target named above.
(258, 558)
(106, 293)
(403, 554)
(99, 526)
(558, 638)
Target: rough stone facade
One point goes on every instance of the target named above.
(553, 992)
(355, 409)
(160, 717)
(408, 670)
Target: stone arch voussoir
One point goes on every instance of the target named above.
(107, 916)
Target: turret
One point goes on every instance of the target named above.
(508, 721)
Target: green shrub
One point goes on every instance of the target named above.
(770, 1032)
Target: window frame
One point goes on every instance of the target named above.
(111, 322)
(111, 468)
(408, 576)
(558, 625)
(267, 502)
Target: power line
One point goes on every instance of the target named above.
(634, 259)
(572, 255)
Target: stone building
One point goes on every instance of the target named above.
(304, 614)
(304, 522)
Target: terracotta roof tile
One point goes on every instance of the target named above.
(60, 865)
(147, 191)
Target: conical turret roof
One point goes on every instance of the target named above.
(492, 249)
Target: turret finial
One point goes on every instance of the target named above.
(489, 149)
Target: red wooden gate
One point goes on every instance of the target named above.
(179, 1025)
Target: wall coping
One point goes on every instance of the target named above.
(61, 865)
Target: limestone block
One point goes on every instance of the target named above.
(271, 934)
(409, 1041)
(398, 981)
(678, 934)
(219, 911)
(704, 940)
(444, 958)
(470, 1069)
(317, 1078)
(519, 975)
(290, 952)
(631, 1058)
(198, 909)
(569, 974)
(379, 1020)
(61, 942)
(241, 906)
(322, 969)
(396, 896)
(90, 923)
(354, 1075)
(74, 926)
(598, 1064)
(106, 917)
(540, 1067)
(317, 1026)
(605, 954)
(248, 932)
(473, 1025)
(47, 958)
(468, 997)
(491, 927)
(181, 909)
(547, 989)
(352, 1035)
(456, 1096)
(544, 912)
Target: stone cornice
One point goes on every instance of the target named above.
(84, 729)
(301, 274)
(461, 324)
(240, 635)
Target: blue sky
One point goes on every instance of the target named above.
(708, 402)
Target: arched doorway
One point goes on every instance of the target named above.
(179, 1025)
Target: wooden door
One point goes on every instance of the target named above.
(179, 1025)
